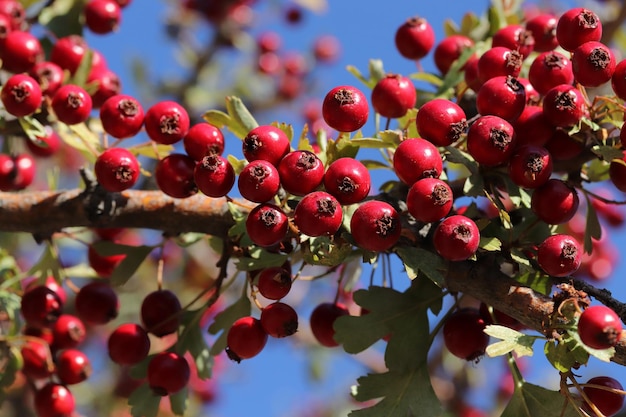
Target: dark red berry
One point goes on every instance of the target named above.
(449, 50)
(599, 327)
(279, 320)
(564, 147)
(21, 95)
(543, 29)
(259, 181)
(375, 226)
(102, 16)
(246, 338)
(128, 344)
(593, 64)
(532, 127)
(464, 335)
(160, 312)
(116, 169)
(166, 122)
(618, 80)
(71, 104)
(267, 224)
(393, 95)
(15, 12)
(429, 200)
(441, 122)
(49, 76)
(16, 171)
(499, 61)
(577, 26)
(121, 116)
(203, 139)
(555, 202)
(37, 359)
(606, 399)
(20, 52)
(348, 180)
(97, 303)
(68, 332)
(416, 158)
(322, 319)
(41, 306)
(318, 214)
(345, 108)
(617, 171)
(415, 38)
(73, 366)
(107, 84)
(174, 175)
(456, 238)
(168, 373)
(54, 400)
(214, 175)
(274, 283)
(530, 166)
(502, 96)
(491, 140)
(266, 142)
(559, 255)
(68, 52)
(104, 265)
(301, 172)
(550, 69)
(515, 37)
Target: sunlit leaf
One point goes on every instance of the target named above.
(238, 111)
(604, 355)
(510, 341)
(151, 150)
(491, 244)
(565, 353)
(530, 400)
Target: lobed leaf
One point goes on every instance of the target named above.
(511, 341)
(143, 402)
(225, 319)
(418, 260)
(531, 400)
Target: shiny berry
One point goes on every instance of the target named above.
(267, 224)
(246, 338)
(498, 61)
(543, 29)
(121, 116)
(416, 158)
(116, 169)
(259, 181)
(49, 76)
(266, 142)
(279, 320)
(415, 38)
(301, 172)
(502, 96)
(456, 238)
(429, 200)
(214, 175)
(71, 104)
(559, 255)
(322, 319)
(41, 306)
(102, 16)
(607, 401)
(449, 50)
(174, 175)
(441, 122)
(345, 108)
(593, 64)
(203, 139)
(515, 37)
(128, 344)
(318, 214)
(160, 312)
(166, 122)
(599, 327)
(348, 180)
(530, 166)
(37, 359)
(550, 69)
(375, 226)
(54, 400)
(68, 332)
(393, 95)
(555, 202)
(491, 140)
(274, 283)
(464, 335)
(73, 366)
(577, 26)
(20, 52)
(21, 95)
(168, 373)
(97, 303)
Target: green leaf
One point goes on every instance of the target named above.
(491, 244)
(151, 150)
(593, 230)
(455, 74)
(11, 361)
(82, 72)
(34, 130)
(10, 304)
(607, 153)
(225, 319)
(531, 400)
(259, 258)
(179, 401)
(143, 402)
(417, 260)
(511, 341)
(391, 137)
(135, 255)
(376, 69)
(80, 138)
(359, 75)
(286, 128)
(428, 77)
(192, 341)
(539, 282)
(240, 113)
(374, 143)
(604, 355)
(457, 156)
(565, 353)
(63, 17)
(374, 164)
(322, 251)
(47, 265)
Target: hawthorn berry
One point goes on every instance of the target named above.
(266, 142)
(214, 175)
(318, 214)
(491, 140)
(259, 181)
(49, 76)
(128, 344)
(515, 37)
(37, 359)
(300, 172)
(456, 238)
(21, 95)
(41, 306)
(441, 121)
(96, 303)
(498, 61)
(464, 335)
(322, 320)
(72, 366)
(326, 48)
(168, 373)
(116, 169)
(429, 199)
(274, 283)
(174, 175)
(577, 26)
(68, 331)
(348, 180)
(599, 327)
(20, 52)
(107, 84)
(16, 171)
(502, 96)
(203, 139)
(555, 202)
(71, 104)
(104, 265)
(617, 172)
(564, 147)
(166, 122)
(267, 224)
(15, 12)
(607, 401)
(246, 338)
(54, 400)
(68, 52)
(559, 255)
(532, 127)
(530, 166)
(449, 49)
(375, 226)
(543, 29)
(550, 69)
(102, 16)
(345, 108)
(393, 95)
(279, 319)
(121, 116)
(415, 38)
(618, 79)
(160, 312)
(416, 158)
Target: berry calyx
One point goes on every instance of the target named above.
(456, 238)
(116, 169)
(375, 226)
(345, 108)
(166, 122)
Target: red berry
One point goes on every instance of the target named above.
(68, 52)
(102, 16)
(532, 127)
(593, 64)
(174, 175)
(116, 169)
(348, 180)
(449, 50)
(20, 52)
(279, 320)
(515, 37)
(269, 41)
(68, 332)
(246, 338)
(97, 303)
(54, 400)
(345, 108)
(15, 12)
(415, 38)
(37, 359)
(502, 96)
(441, 122)
(599, 327)
(266, 142)
(128, 344)
(393, 95)
(607, 401)
(203, 139)
(456, 238)
(274, 283)
(166, 122)
(318, 214)
(121, 116)
(259, 181)
(491, 140)
(326, 48)
(267, 224)
(160, 312)
(71, 104)
(21, 95)
(577, 26)
(16, 172)
(73, 366)
(618, 80)
(49, 76)
(498, 61)
(375, 226)
(41, 306)
(108, 85)
(104, 265)
(564, 147)
(214, 175)
(322, 319)
(555, 202)
(550, 69)
(543, 29)
(416, 158)
(301, 172)
(429, 200)
(464, 335)
(559, 255)
(530, 166)
(168, 373)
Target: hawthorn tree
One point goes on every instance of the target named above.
(148, 246)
